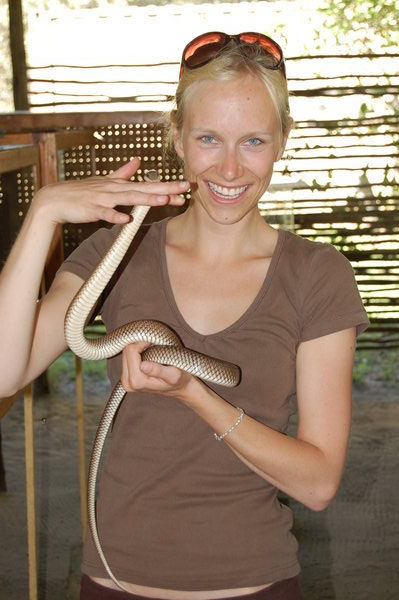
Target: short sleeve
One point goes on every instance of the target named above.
(331, 299)
(84, 259)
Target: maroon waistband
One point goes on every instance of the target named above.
(282, 590)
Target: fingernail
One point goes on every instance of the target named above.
(161, 199)
(145, 367)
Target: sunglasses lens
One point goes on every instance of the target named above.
(203, 49)
(207, 46)
(267, 44)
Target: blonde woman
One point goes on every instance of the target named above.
(188, 506)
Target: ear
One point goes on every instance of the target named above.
(177, 142)
(284, 141)
(281, 149)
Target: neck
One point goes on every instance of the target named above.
(211, 241)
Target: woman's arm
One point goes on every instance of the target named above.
(32, 333)
(25, 323)
(308, 467)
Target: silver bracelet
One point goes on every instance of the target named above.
(236, 424)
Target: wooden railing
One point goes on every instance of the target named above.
(35, 157)
(37, 150)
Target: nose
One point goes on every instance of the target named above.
(230, 166)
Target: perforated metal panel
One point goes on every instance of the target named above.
(117, 144)
(16, 191)
(76, 163)
(120, 143)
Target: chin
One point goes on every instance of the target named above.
(228, 216)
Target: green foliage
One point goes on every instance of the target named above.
(372, 368)
(376, 368)
(370, 20)
(362, 368)
(62, 371)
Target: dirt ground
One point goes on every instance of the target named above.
(348, 552)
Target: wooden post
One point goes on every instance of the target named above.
(10, 221)
(49, 174)
(3, 484)
(81, 443)
(18, 55)
(30, 492)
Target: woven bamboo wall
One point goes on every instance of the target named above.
(338, 182)
(361, 223)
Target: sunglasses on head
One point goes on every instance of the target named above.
(204, 48)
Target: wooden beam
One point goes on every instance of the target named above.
(3, 483)
(48, 175)
(16, 158)
(18, 56)
(16, 139)
(16, 122)
(82, 446)
(71, 139)
(30, 492)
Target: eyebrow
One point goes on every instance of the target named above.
(249, 134)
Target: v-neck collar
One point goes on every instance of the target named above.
(249, 310)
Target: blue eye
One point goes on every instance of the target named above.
(207, 139)
(254, 141)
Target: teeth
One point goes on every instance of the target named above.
(228, 192)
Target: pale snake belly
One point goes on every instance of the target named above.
(166, 349)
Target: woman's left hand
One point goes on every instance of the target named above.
(144, 376)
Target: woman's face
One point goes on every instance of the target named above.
(229, 142)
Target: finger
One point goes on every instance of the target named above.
(113, 216)
(135, 197)
(138, 347)
(176, 200)
(131, 373)
(160, 188)
(127, 170)
(165, 374)
(125, 373)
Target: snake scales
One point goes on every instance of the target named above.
(166, 349)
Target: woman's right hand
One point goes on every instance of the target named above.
(95, 198)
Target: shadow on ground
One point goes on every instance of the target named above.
(348, 552)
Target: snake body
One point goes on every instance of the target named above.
(166, 349)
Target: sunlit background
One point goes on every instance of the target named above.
(338, 181)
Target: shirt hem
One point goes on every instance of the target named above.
(214, 583)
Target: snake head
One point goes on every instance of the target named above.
(151, 175)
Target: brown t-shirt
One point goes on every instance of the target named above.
(177, 509)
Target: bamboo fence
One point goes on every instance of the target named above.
(338, 182)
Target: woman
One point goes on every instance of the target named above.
(183, 515)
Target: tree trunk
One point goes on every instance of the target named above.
(18, 56)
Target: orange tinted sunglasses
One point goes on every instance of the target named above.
(207, 46)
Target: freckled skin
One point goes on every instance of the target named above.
(230, 137)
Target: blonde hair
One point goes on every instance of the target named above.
(234, 61)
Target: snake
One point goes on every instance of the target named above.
(166, 348)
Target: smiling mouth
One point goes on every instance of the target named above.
(227, 193)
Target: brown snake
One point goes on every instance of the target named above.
(166, 349)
